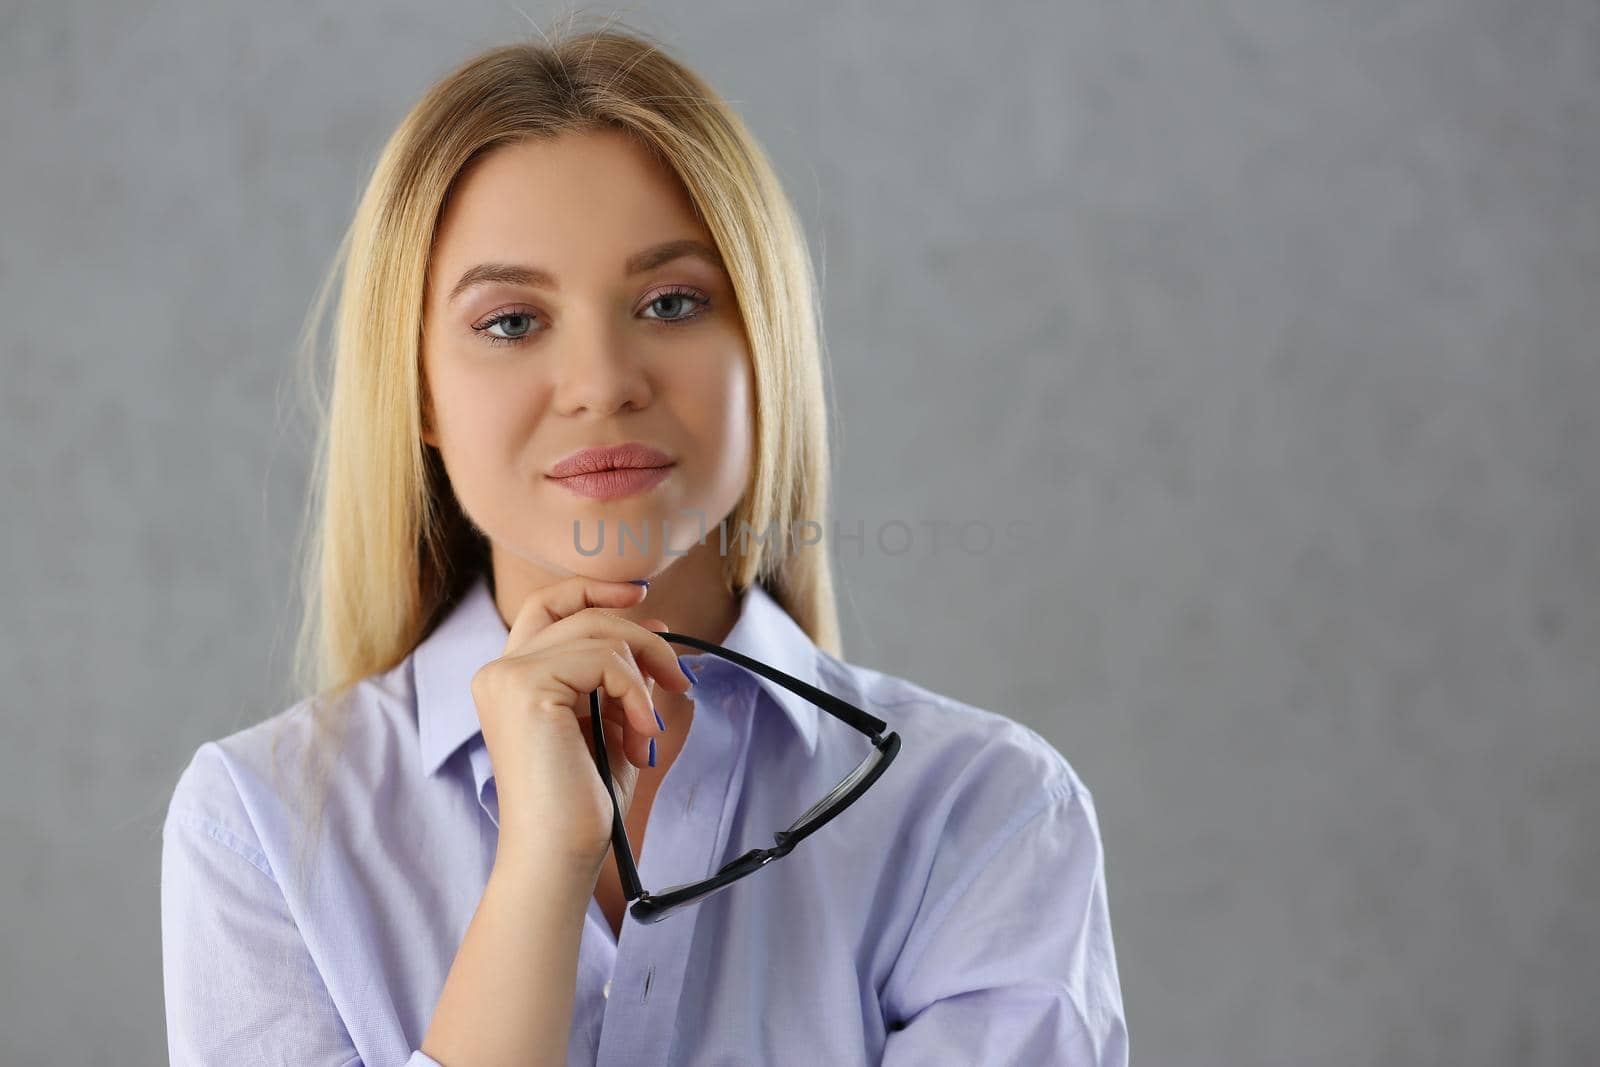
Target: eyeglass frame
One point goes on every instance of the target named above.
(653, 907)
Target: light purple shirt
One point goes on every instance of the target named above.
(956, 914)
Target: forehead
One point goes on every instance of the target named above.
(579, 202)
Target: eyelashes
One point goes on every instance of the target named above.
(699, 301)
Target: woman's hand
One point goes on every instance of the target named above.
(533, 705)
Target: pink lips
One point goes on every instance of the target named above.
(612, 472)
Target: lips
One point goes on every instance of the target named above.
(615, 483)
(634, 455)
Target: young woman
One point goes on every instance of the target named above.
(577, 352)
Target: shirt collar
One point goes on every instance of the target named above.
(473, 633)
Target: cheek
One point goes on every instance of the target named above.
(479, 420)
(718, 402)
(727, 421)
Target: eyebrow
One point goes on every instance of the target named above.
(530, 276)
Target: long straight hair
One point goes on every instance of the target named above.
(385, 547)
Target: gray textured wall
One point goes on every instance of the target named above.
(1277, 320)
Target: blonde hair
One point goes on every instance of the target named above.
(386, 548)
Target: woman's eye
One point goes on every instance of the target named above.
(519, 319)
(677, 302)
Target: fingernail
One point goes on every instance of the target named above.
(640, 581)
(685, 668)
(658, 719)
(652, 752)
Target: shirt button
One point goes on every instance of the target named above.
(605, 990)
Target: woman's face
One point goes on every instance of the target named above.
(567, 309)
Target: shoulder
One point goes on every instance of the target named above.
(958, 748)
(980, 816)
(969, 787)
(239, 787)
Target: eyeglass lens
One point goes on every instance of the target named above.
(821, 807)
(816, 811)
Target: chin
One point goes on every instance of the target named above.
(559, 552)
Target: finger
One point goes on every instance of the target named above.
(627, 746)
(654, 655)
(577, 679)
(655, 625)
(624, 772)
(624, 776)
(565, 598)
(636, 696)
(624, 745)
(626, 750)
(607, 664)
(640, 753)
(632, 745)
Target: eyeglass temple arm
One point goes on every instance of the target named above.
(627, 869)
(870, 725)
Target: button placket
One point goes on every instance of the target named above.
(597, 956)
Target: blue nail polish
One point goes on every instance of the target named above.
(652, 752)
(640, 581)
(658, 719)
(685, 667)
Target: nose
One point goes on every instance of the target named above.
(596, 371)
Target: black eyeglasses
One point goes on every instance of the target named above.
(653, 907)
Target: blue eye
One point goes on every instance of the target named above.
(506, 316)
(678, 296)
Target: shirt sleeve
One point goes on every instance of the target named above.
(239, 983)
(1015, 963)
